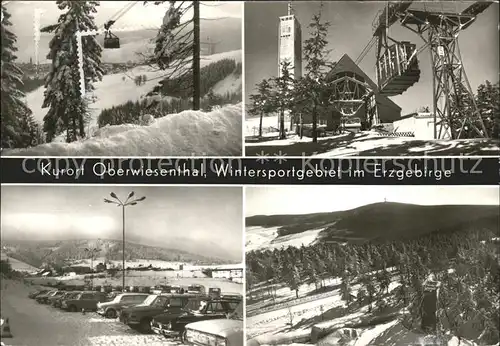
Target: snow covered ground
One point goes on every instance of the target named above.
(293, 316)
(217, 133)
(367, 143)
(268, 124)
(261, 238)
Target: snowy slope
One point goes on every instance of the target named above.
(272, 327)
(116, 89)
(231, 83)
(217, 133)
(261, 238)
(18, 265)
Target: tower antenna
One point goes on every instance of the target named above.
(290, 8)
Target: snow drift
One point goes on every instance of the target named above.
(216, 133)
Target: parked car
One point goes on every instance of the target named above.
(214, 292)
(174, 326)
(111, 309)
(196, 289)
(227, 331)
(34, 294)
(54, 297)
(86, 300)
(42, 298)
(67, 295)
(159, 289)
(112, 295)
(140, 316)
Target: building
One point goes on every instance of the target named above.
(290, 43)
(227, 273)
(421, 124)
(355, 100)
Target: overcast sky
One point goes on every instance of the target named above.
(275, 200)
(139, 17)
(350, 32)
(198, 214)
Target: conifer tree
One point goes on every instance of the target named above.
(15, 115)
(314, 82)
(68, 109)
(261, 101)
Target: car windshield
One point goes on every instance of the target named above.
(160, 301)
(149, 300)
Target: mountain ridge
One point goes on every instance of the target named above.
(36, 252)
(387, 221)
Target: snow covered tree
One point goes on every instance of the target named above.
(68, 109)
(314, 82)
(15, 115)
(488, 102)
(177, 48)
(345, 287)
(261, 101)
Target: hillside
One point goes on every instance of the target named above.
(119, 88)
(430, 276)
(380, 221)
(35, 253)
(17, 265)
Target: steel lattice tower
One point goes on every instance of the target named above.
(456, 114)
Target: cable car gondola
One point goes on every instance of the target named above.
(111, 41)
(398, 69)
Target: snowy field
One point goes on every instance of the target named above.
(216, 133)
(367, 143)
(301, 316)
(261, 238)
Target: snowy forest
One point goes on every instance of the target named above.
(18, 127)
(464, 264)
(69, 115)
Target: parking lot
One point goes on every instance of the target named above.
(42, 325)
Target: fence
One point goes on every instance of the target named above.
(396, 134)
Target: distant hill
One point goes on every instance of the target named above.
(35, 253)
(379, 221)
(16, 264)
(225, 33)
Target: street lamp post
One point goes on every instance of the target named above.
(119, 203)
